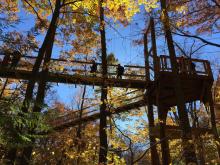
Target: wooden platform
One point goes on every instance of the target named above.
(174, 132)
(75, 79)
(193, 86)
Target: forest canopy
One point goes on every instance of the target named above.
(109, 82)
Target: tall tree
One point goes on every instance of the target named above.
(103, 117)
(188, 147)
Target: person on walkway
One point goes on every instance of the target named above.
(15, 59)
(120, 71)
(93, 67)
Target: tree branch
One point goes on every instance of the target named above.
(197, 49)
(196, 37)
(216, 3)
(130, 141)
(70, 3)
(180, 48)
(34, 10)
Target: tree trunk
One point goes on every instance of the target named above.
(25, 158)
(81, 112)
(155, 160)
(42, 84)
(163, 138)
(10, 156)
(47, 41)
(103, 123)
(188, 147)
(79, 129)
(162, 124)
(3, 88)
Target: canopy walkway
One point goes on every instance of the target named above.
(195, 82)
(74, 72)
(74, 79)
(194, 85)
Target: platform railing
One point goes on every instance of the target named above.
(186, 66)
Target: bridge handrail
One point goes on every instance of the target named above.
(82, 62)
(89, 63)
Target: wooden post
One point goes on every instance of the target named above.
(162, 112)
(164, 142)
(154, 154)
(154, 48)
(163, 138)
(188, 146)
(79, 129)
(3, 88)
(103, 149)
(146, 58)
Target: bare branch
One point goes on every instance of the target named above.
(34, 10)
(184, 34)
(198, 49)
(181, 49)
(191, 48)
(130, 141)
